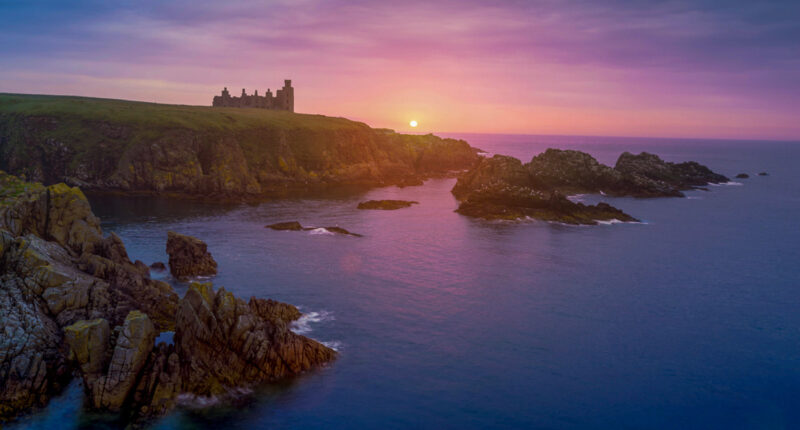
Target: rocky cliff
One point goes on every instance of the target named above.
(201, 151)
(502, 187)
(72, 301)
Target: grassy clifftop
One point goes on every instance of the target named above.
(137, 146)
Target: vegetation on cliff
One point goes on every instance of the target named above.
(204, 151)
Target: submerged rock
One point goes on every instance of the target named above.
(189, 256)
(387, 205)
(296, 226)
(158, 265)
(742, 176)
(291, 225)
(763, 174)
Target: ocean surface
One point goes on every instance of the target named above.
(688, 320)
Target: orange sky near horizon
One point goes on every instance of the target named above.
(667, 70)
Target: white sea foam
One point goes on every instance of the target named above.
(200, 402)
(727, 183)
(303, 324)
(333, 344)
(610, 221)
(577, 198)
(320, 230)
(694, 198)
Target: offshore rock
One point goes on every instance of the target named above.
(502, 187)
(189, 256)
(290, 225)
(387, 205)
(296, 226)
(742, 176)
(508, 202)
(680, 176)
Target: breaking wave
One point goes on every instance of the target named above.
(303, 324)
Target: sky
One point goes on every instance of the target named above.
(708, 69)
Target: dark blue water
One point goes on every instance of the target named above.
(689, 320)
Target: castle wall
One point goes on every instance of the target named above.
(283, 99)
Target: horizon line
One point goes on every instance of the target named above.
(755, 139)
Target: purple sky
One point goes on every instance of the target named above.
(728, 69)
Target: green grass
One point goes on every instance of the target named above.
(164, 116)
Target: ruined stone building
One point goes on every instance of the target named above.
(283, 99)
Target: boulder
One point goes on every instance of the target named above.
(158, 265)
(742, 176)
(189, 256)
(109, 381)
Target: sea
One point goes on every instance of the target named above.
(687, 320)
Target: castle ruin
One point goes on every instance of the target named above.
(283, 99)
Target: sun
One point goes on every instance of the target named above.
(413, 123)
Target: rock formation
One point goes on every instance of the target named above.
(189, 256)
(73, 300)
(296, 226)
(387, 205)
(502, 187)
(742, 176)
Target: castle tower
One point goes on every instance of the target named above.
(288, 95)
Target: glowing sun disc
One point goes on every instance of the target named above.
(413, 123)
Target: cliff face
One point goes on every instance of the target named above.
(72, 299)
(130, 146)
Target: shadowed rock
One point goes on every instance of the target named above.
(742, 176)
(189, 256)
(296, 226)
(502, 187)
(291, 225)
(386, 205)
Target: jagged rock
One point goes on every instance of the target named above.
(224, 342)
(498, 169)
(60, 295)
(508, 202)
(387, 205)
(290, 225)
(46, 233)
(189, 256)
(680, 176)
(109, 383)
(742, 176)
(537, 189)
